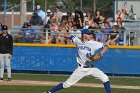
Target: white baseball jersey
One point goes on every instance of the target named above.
(85, 49)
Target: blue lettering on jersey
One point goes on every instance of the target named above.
(88, 55)
(84, 48)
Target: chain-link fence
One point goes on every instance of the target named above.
(65, 5)
(107, 7)
(15, 13)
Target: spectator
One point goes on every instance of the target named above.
(28, 35)
(97, 25)
(25, 26)
(0, 27)
(121, 30)
(58, 14)
(48, 29)
(21, 33)
(99, 16)
(78, 19)
(92, 25)
(53, 32)
(92, 29)
(40, 12)
(79, 15)
(120, 23)
(69, 16)
(114, 36)
(6, 51)
(70, 26)
(78, 24)
(100, 36)
(70, 30)
(109, 20)
(123, 15)
(48, 17)
(43, 36)
(62, 31)
(35, 19)
(119, 19)
(117, 14)
(89, 17)
(86, 25)
(107, 28)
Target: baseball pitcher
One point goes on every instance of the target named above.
(86, 48)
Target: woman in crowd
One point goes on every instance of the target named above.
(89, 17)
(99, 16)
(114, 36)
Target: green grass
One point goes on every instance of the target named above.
(21, 89)
(61, 78)
(40, 89)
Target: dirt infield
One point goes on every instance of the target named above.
(52, 83)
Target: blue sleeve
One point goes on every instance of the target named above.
(72, 37)
(104, 45)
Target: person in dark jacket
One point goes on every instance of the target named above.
(6, 50)
(36, 19)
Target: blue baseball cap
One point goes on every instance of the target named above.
(86, 31)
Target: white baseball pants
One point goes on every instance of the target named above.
(81, 72)
(4, 59)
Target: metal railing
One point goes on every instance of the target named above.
(127, 38)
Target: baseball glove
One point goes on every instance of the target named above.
(96, 57)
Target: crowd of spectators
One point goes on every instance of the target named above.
(56, 24)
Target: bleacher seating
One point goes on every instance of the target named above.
(16, 30)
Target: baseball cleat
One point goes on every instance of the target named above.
(9, 79)
(47, 92)
(1, 79)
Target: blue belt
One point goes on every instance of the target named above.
(85, 66)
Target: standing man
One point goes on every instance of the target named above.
(6, 49)
(86, 48)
